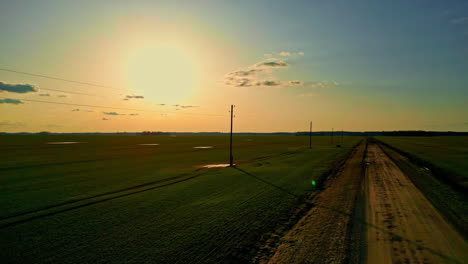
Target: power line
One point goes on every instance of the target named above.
(60, 79)
(110, 107)
(70, 92)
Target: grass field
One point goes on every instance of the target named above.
(446, 154)
(110, 199)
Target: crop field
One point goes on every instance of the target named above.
(446, 153)
(147, 199)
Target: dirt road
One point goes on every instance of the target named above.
(321, 235)
(402, 225)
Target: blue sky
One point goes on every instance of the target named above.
(401, 61)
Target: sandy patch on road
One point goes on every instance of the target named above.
(203, 147)
(403, 226)
(149, 144)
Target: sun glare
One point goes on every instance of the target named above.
(164, 74)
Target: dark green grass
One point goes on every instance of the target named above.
(447, 156)
(212, 218)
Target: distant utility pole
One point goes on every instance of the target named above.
(310, 135)
(333, 131)
(231, 159)
(342, 132)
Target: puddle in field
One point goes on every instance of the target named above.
(203, 147)
(216, 166)
(62, 143)
(149, 144)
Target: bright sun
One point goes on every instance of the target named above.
(163, 74)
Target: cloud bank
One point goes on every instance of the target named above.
(17, 88)
(261, 74)
(10, 101)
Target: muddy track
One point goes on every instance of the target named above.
(402, 225)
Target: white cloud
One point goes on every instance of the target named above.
(261, 74)
(284, 54)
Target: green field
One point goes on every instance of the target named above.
(448, 155)
(110, 199)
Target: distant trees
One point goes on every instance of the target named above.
(153, 133)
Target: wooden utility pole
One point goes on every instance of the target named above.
(310, 135)
(231, 159)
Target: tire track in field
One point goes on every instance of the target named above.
(50, 164)
(63, 207)
(54, 209)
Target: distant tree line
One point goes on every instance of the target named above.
(153, 133)
(419, 133)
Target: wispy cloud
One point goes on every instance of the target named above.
(17, 88)
(105, 119)
(62, 96)
(44, 94)
(308, 94)
(271, 63)
(82, 110)
(284, 54)
(324, 84)
(112, 113)
(10, 101)
(133, 114)
(10, 124)
(134, 97)
(53, 125)
(261, 74)
(186, 106)
(459, 21)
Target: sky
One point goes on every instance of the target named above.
(115, 66)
